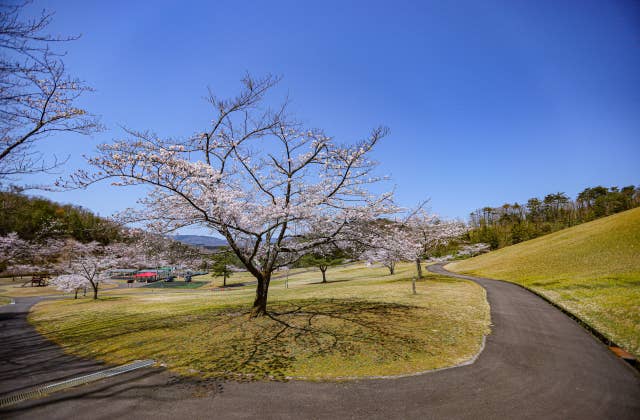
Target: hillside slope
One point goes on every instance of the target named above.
(593, 270)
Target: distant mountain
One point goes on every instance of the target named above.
(200, 240)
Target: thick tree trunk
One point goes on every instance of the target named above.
(260, 303)
(76, 297)
(324, 274)
(392, 268)
(95, 291)
(419, 267)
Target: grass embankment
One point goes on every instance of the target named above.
(592, 270)
(364, 323)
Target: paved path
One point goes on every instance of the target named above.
(26, 358)
(537, 363)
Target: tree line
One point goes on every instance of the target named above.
(40, 219)
(513, 223)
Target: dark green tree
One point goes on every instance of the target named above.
(223, 262)
(322, 260)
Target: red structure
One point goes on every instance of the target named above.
(146, 276)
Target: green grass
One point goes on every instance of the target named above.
(592, 270)
(176, 285)
(4, 300)
(363, 323)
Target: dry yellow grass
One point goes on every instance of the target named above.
(14, 288)
(365, 323)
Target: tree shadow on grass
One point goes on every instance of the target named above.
(225, 343)
(304, 330)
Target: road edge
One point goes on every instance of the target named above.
(634, 364)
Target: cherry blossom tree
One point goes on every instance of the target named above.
(71, 283)
(255, 176)
(430, 231)
(23, 257)
(11, 249)
(92, 262)
(37, 96)
(394, 243)
(472, 250)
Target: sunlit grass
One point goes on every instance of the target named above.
(365, 323)
(21, 287)
(593, 270)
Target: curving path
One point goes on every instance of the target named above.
(537, 363)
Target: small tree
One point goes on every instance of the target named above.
(392, 244)
(92, 261)
(223, 263)
(71, 283)
(323, 260)
(429, 232)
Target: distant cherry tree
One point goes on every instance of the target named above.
(21, 257)
(71, 283)
(255, 176)
(430, 231)
(12, 248)
(392, 244)
(92, 263)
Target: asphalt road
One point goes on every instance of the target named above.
(537, 363)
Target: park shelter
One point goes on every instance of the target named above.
(148, 276)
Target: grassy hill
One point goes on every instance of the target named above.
(39, 218)
(592, 270)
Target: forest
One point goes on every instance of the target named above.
(513, 223)
(34, 218)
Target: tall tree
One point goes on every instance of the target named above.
(256, 177)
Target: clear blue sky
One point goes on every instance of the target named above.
(487, 101)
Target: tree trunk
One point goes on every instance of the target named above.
(76, 297)
(419, 267)
(95, 291)
(324, 274)
(224, 280)
(260, 303)
(392, 268)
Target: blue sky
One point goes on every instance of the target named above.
(487, 101)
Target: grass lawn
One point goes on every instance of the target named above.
(4, 300)
(176, 285)
(14, 288)
(363, 323)
(592, 270)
